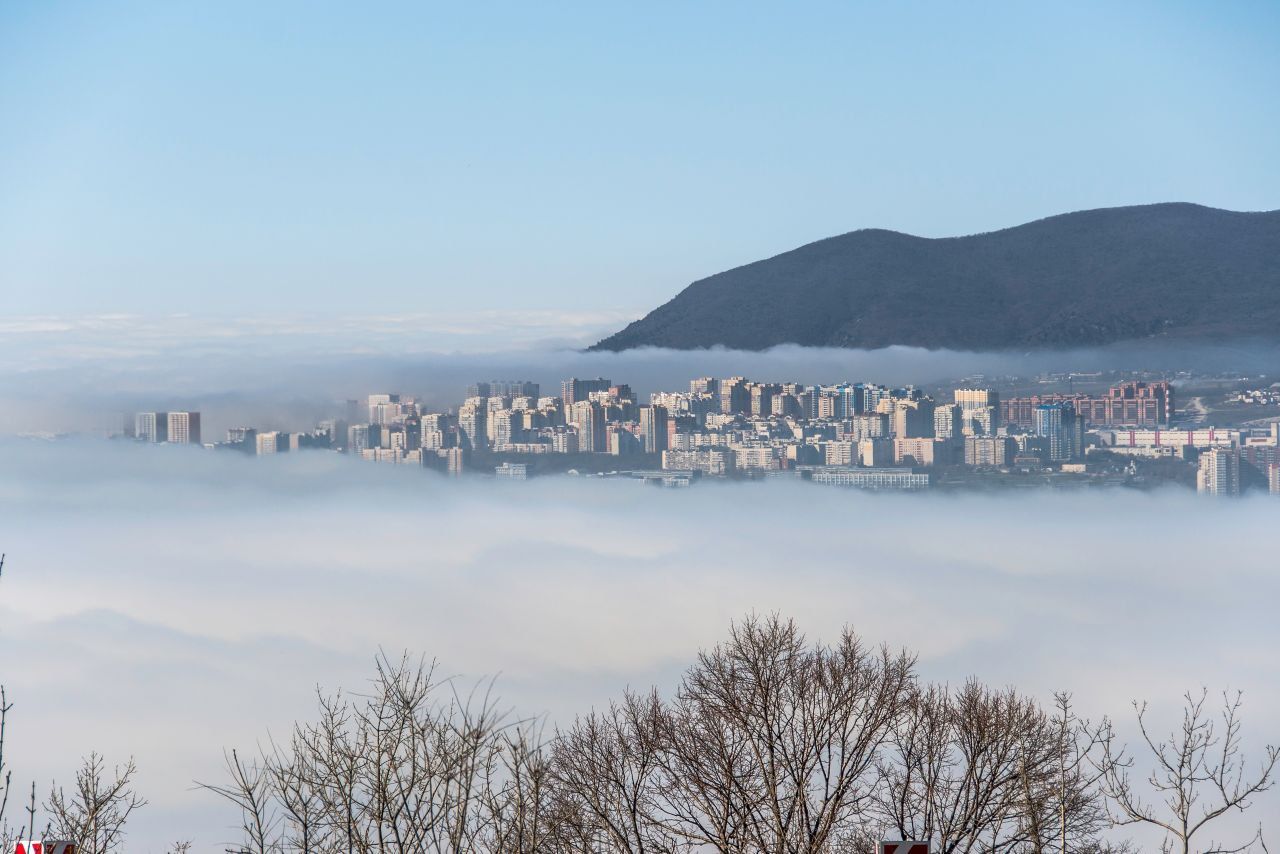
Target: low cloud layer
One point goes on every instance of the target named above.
(166, 603)
(81, 374)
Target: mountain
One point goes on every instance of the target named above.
(1093, 277)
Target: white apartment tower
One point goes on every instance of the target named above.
(184, 428)
(1219, 472)
(151, 426)
(473, 425)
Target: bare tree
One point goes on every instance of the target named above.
(770, 744)
(606, 772)
(513, 801)
(8, 834)
(1198, 776)
(96, 811)
(1070, 814)
(963, 764)
(249, 788)
(413, 766)
(293, 777)
(978, 769)
(6, 774)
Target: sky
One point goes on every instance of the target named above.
(165, 603)
(248, 159)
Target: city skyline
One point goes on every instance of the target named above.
(854, 434)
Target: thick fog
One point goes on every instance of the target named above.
(81, 375)
(166, 603)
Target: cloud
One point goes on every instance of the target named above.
(168, 602)
(81, 374)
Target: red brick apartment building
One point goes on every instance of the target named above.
(1138, 404)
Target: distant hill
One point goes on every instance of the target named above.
(1087, 278)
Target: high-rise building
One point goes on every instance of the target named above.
(916, 452)
(508, 428)
(336, 431)
(979, 410)
(912, 419)
(756, 457)
(493, 406)
(653, 429)
(574, 390)
(1219, 472)
(268, 443)
(1135, 403)
(473, 432)
(384, 408)
(184, 428)
(357, 438)
(947, 421)
(867, 397)
(825, 404)
(735, 397)
(564, 441)
(762, 397)
(1273, 479)
(151, 426)
(503, 388)
(437, 431)
(875, 452)
(1058, 425)
(846, 400)
(384, 413)
(588, 417)
(840, 453)
(243, 438)
(989, 450)
(620, 441)
(872, 426)
(704, 385)
(789, 405)
(983, 421)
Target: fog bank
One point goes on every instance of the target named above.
(165, 602)
(80, 375)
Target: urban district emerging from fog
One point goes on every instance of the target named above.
(1061, 430)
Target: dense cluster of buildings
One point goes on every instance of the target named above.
(851, 434)
(179, 428)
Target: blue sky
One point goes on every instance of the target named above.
(269, 158)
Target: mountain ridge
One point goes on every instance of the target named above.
(1101, 276)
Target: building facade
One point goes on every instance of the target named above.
(1219, 472)
(184, 428)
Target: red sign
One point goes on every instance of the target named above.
(35, 846)
(904, 848)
